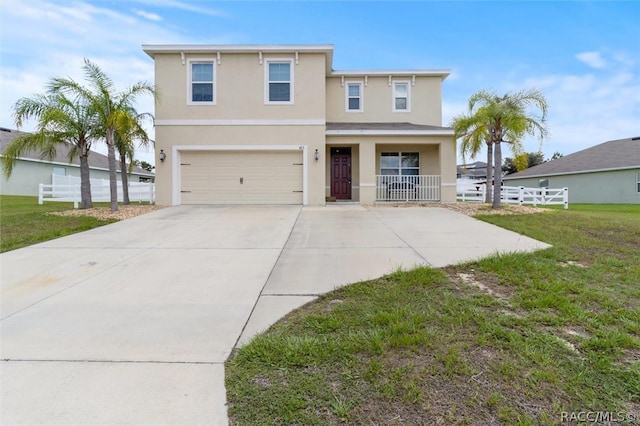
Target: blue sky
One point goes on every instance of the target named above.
(583, 55)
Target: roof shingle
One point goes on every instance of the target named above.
(611, 155)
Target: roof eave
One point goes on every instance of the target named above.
(442, 73)
(151, 49)
(355, 132)
(577, 172)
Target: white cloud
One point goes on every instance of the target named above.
(189, 7)
(148, 15)
(585, 109)
(592, 59)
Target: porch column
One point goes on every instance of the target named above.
(448, 171)
(367, 173)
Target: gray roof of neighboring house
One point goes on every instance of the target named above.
(611, 155)
(385, 126)
(477, 169)
(96, 160)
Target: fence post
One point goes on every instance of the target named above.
(565, 197)
(521, 195)
(76, 195)
(40, 193)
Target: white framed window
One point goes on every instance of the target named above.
(353, 96)
(278, 81)
(638, 182)
(401, 96)
(399, 163)
(59, 171)
(201, 84)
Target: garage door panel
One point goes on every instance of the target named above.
(241, 177)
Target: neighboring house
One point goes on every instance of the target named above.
(471, 176)
(474, 171)
(31, 170)
(276, 124)
(605, 173)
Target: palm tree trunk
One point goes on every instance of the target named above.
(125, 180)
(85, 183)
(113, 177)
(487, 196)
(497, 186)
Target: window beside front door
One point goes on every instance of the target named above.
(401, 97)
(400, 163)
(279, 87)
(354, 97)
(201, 82)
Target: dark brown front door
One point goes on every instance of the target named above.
(341, 173)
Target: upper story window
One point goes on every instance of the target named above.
(401, 96)
(279, 79)
(201, 82)
(354, 97)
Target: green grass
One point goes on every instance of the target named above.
(559, 332)
(23, 222)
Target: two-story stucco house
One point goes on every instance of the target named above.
(276, 124)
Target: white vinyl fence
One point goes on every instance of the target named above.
(67, 189)
(519, 195)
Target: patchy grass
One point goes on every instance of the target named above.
(515, 339)
(23, 222)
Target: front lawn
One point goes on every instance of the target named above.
(23, 222)
(515, 339)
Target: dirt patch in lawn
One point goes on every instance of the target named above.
(105, 213)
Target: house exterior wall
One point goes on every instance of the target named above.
(173, 139)
(240, 117)
(239, 88)
(28, 175)
(607, 187)
(377, 100)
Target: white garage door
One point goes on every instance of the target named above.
(241, 177)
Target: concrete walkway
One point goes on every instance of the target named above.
(131, 323)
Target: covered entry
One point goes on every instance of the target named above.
(241, 177)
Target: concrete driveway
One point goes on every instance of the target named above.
(131, 323)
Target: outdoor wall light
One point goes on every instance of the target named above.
(163, 156)
(316, 155)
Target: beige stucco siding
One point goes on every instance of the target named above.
(175, 139)
(239, 88)
(377, 100)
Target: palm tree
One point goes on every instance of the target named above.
(503, 119)
(474, 136)
(112, 110)
(60, 121)
(125, 139)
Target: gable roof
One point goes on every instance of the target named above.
(96, 160)
(612, 155)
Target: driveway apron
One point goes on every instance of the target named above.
(131, 323)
